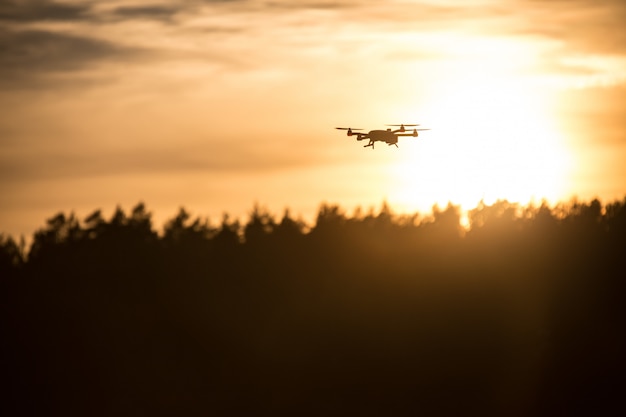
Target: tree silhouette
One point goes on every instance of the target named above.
(371, 314)
(12, 255)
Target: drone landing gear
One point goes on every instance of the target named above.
(369, 144)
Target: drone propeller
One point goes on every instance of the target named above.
(347, 128)
(402, 125)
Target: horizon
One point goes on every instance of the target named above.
(159, 223)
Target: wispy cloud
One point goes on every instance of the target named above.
(156, 12)
(584, 26)
(25, 11)
(218, 157)
(29, 55)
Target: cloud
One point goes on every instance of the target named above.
(220, 157)
(290, 5)
(43, 44)
(45, 39)
(152, 12)
(585, 26)
(29, 11)
(31, 54)
(41, 10)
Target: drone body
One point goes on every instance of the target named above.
(388, 136)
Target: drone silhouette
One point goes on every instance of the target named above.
(390, 137)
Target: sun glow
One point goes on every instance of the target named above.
(491, 139)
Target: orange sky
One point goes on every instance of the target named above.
(216, 105)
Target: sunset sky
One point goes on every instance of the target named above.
(218, 105)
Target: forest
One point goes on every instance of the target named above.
(518, 312)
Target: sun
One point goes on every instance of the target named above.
(491, 139)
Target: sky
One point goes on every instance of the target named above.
(218, 105)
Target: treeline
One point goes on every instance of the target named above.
(521, 313)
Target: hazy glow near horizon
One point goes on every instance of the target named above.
(215, 106)
(491, 139)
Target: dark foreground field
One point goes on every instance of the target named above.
(364, 315)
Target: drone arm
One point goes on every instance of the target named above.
(413, 133)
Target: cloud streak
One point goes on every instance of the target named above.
(218, 157)
(584, 26)
(42, 10)
(36, 53)
(155, 12)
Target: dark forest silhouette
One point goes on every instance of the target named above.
(374, 314)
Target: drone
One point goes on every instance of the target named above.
(390, 137)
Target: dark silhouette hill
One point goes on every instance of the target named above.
(374, 314)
